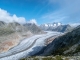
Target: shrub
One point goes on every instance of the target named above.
(66, 58)
(48, 58)
(35, 58)
(58, 57)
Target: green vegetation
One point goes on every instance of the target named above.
(48, 58)
(66, 58)
(23, 59)
(35, 58)
(44, 58)
(78, 49)
(58, 58)
(70, 39)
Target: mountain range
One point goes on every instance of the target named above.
(64, 39)
(16, 27)
(12, 33)
(56, 26)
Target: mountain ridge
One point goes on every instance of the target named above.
(67, 44)
(56, 26)
(12, 33)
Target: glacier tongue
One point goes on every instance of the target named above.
(27, 47)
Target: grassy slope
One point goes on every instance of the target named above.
(71, 39)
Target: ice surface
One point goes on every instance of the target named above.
(27, 47)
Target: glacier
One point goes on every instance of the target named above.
(26, 47)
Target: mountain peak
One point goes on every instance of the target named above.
(55, 24)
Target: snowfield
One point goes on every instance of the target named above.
(27, 47)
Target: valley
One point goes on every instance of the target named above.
(39, 29)
(19, 41)
(27, 47)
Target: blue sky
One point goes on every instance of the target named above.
(44, 11)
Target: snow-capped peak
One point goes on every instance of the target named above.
(55, 24)
(59, 24)
(46, 25)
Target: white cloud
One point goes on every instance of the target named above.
(33, 21)
(5, 16)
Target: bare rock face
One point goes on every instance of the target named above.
(9, 41)
(33, 28)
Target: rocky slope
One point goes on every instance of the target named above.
(33, 28)
(12, 33)
(68, 44)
